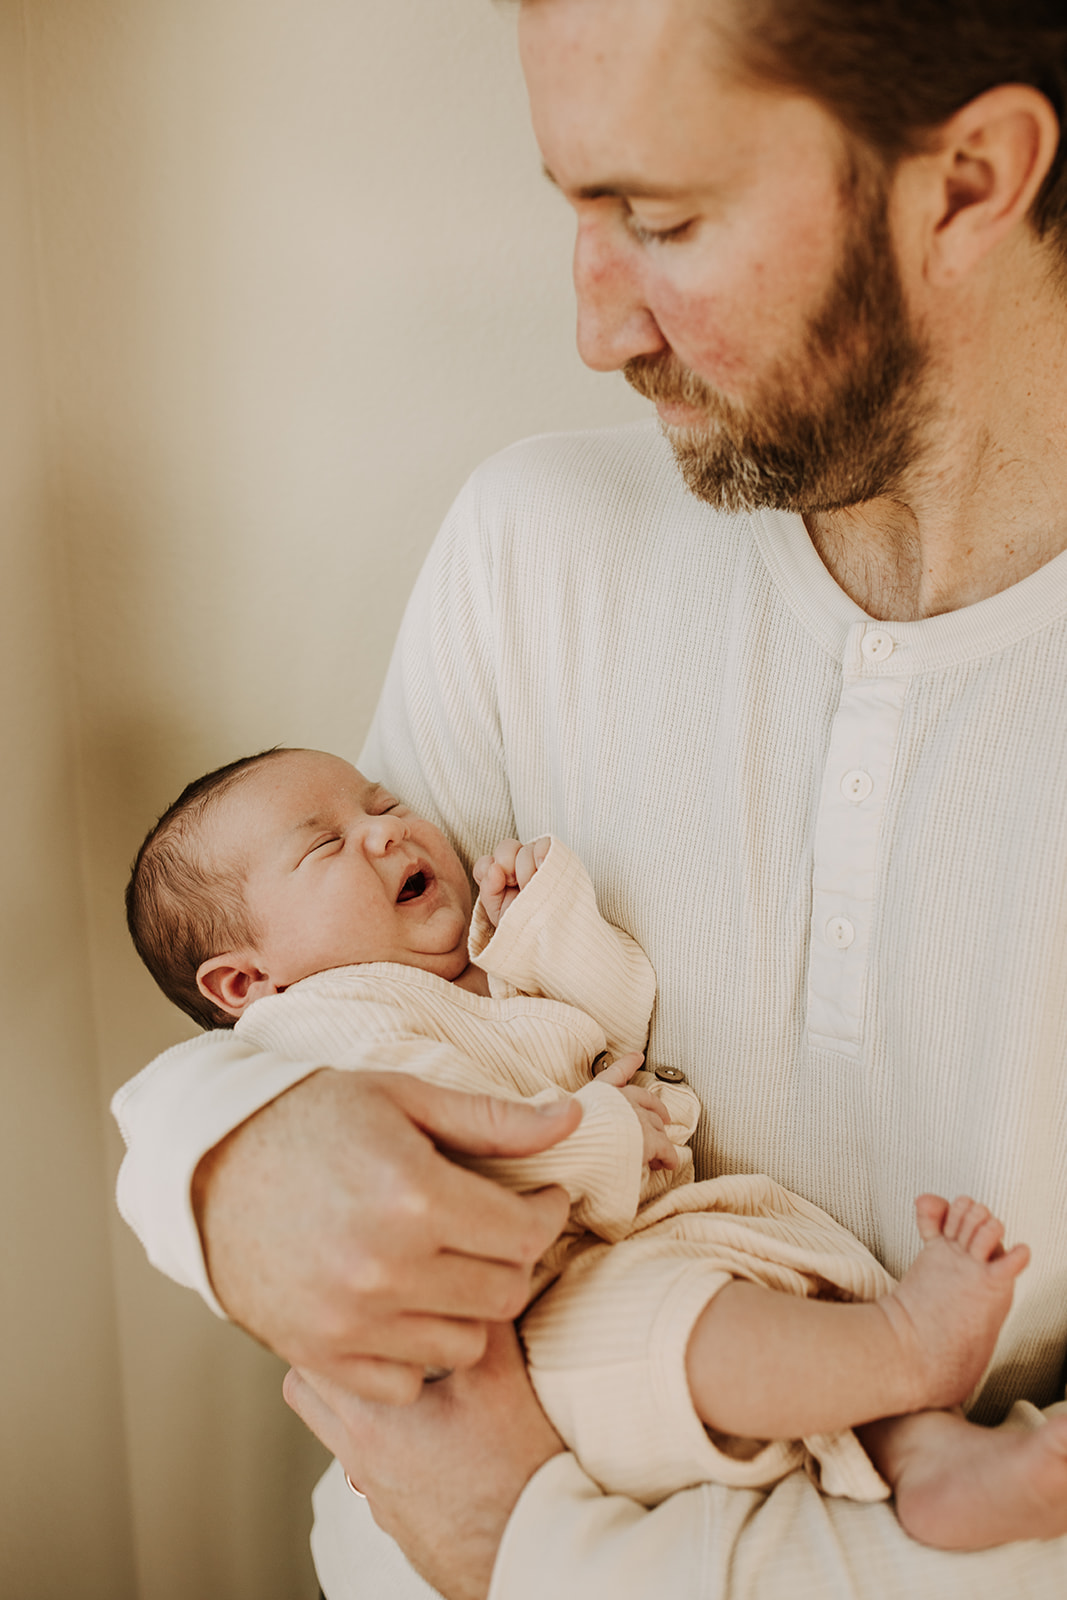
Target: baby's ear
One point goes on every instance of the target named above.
(232, 981)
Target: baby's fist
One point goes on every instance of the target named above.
(651, 1113)
(502, 876)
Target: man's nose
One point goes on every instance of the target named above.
(614, 322)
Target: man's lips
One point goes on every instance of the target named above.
(676, 414)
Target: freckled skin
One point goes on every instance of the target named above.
(765, 233)
(904, 323)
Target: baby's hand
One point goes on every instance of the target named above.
(651, 1112)
(502, 876)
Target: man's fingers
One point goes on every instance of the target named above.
(479, 1218)
(416, 1340)
(304, 1394)
(390, 1383)
(468, 1287)
(481, 1125)
(346, 1249)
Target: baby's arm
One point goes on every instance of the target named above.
(549, 939)
(501, 877)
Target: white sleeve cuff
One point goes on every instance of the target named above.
(177, 1109)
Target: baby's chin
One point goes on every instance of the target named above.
(442, 943)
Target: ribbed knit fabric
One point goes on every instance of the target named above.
(606, 1342)
(683, 697)
(592, 653)
(512, 1045)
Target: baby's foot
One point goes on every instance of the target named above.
(960, 1487)
(948, 1308)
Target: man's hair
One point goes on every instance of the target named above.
(181, 907)
(893, 71)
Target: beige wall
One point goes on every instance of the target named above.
(275, 275)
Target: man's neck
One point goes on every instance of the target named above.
(899, 568)
(985, 504)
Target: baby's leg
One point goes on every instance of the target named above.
(961, 1487)
(765, 1365)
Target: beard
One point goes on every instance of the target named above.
(835, 425)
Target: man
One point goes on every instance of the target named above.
(805, 728)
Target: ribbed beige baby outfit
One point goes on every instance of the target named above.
(644, 1251)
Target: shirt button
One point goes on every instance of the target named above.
(856, 785)
(670, 1075)
(840, 932)
(876, 645)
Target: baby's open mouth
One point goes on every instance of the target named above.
(413, 887)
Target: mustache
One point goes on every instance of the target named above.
(662, 377)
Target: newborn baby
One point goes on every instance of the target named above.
(679, 1331)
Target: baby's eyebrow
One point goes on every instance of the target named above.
(319, 820)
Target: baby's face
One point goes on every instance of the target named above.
(338, 871)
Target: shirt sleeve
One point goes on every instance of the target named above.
(552, 941)
(715, 1543)
(177, 1109)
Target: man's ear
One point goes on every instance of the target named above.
(986, 168)
(232, 981)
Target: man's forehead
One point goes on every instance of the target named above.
(642, 98)
(618, 35)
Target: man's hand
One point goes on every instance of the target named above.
(336, 1233)
(443, 1476)
(502, 876)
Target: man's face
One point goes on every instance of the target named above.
(730, 259)
(337, 871)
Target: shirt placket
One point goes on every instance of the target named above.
(848, 835)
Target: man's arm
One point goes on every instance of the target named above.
(335, 1229)
(337, 1233)
(451, 1538)
(473, 1485)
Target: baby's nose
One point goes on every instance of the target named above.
(380, 833)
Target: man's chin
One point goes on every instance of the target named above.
(715, 472)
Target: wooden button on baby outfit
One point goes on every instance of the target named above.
(670, 1075)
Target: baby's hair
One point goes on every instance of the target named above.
(181, 907)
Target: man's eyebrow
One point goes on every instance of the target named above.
(620, 188)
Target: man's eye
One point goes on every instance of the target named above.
(645, 234)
